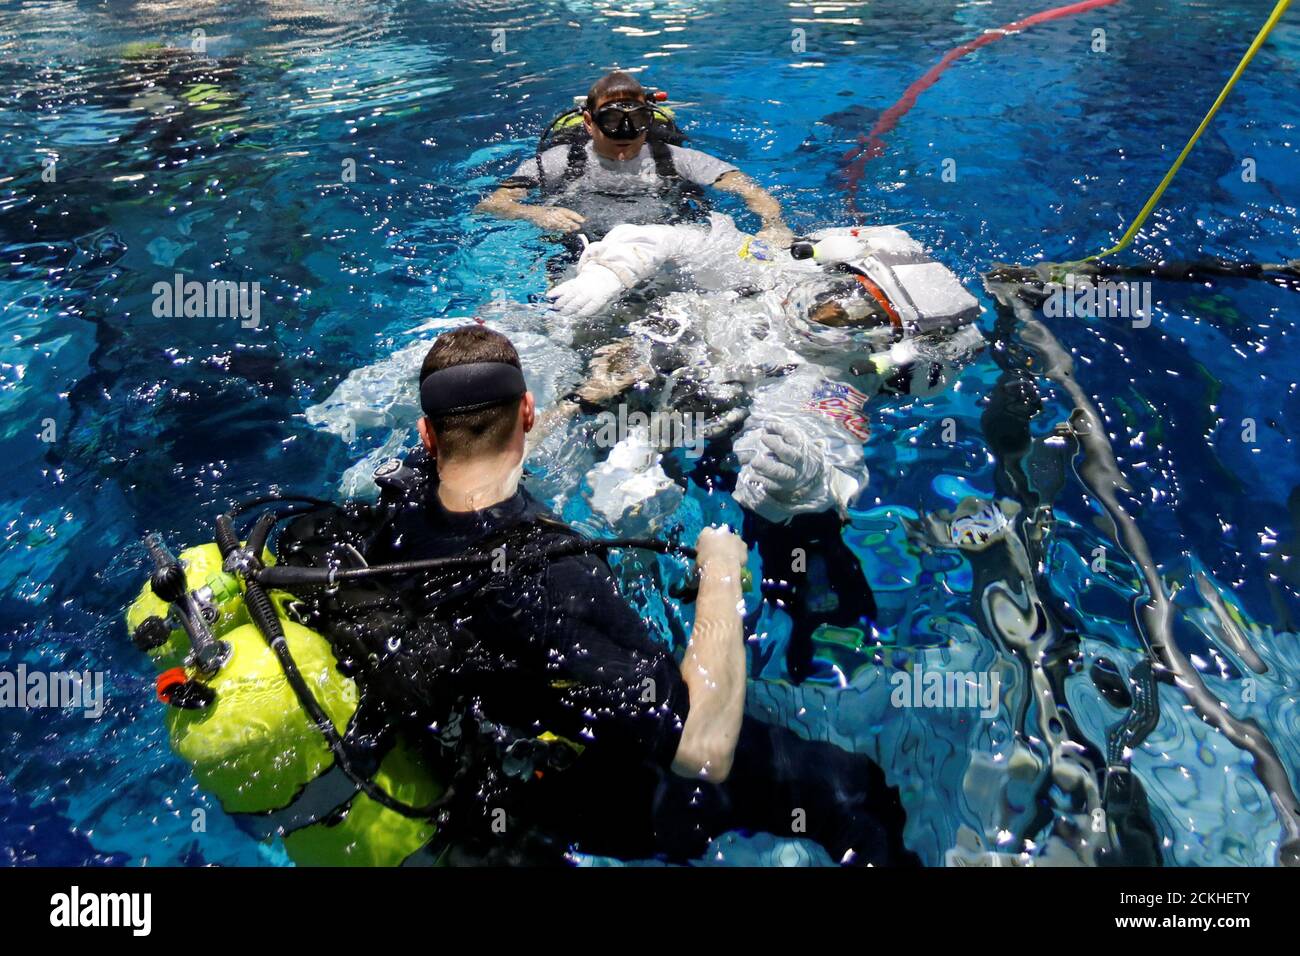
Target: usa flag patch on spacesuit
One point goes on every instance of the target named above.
(842, 403)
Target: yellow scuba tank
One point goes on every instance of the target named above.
(234, 717)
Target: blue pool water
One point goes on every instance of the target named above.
(174, 163)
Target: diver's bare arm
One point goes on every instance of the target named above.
(760, 202)
(548, 421)
(615, 367)
(713, 667)
(507, 203)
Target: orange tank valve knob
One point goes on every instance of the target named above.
(177, 690)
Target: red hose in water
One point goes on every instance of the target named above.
(872, 145)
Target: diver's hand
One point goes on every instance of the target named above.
(588, 292)
(779, 466)
(777, 235)
(720, 551)
(615, 368)
(555, 218)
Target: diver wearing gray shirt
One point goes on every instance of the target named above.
(622, 174)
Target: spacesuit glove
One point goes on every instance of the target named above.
(779, 467)
(588, 292)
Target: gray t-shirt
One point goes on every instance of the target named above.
(611, 191)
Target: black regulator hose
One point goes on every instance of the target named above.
(251, 503)
(227, 540)
(281, 576)
(261, 531)
(262, 612)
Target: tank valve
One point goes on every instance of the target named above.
(152, 633)
(177, 690)
(169, 583)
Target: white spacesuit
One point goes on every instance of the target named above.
(792, 342)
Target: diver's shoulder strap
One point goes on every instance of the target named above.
(521, 549)
(693, 204)
(338, 534)
(576, 164)
(663, 157)
(528, 539)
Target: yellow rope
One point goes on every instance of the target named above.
(1173, 170)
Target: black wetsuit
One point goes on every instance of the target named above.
(829, 565)
(580, 663)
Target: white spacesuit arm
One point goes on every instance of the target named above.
(630, 254)
(635, 253)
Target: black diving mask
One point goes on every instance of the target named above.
(624, 121)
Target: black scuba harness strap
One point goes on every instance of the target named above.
(283, 576)
(576, 162)
(665, 169)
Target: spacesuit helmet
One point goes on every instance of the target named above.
(850, 301)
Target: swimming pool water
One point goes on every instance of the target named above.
(229, 164)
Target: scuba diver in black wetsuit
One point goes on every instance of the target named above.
(570, 727)
(624, 162)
